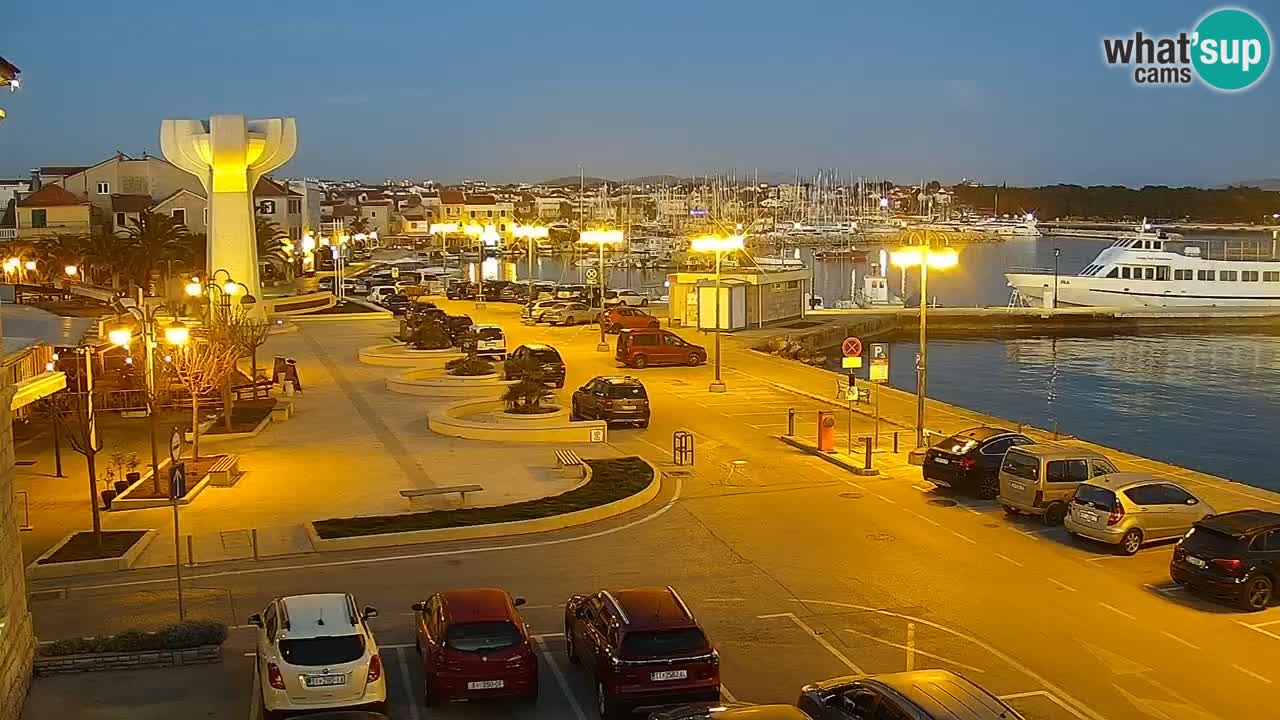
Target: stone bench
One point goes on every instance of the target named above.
(225, 471)
(570, 465)
(282, 411)
(462, 490)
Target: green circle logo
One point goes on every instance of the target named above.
(1232, 49)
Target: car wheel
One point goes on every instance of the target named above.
(1054, 515)
(1130, 542)
(988, 488)
(644, 303)
(574, 412)
(643, 424)
(694, 360)
(1009, 510)
(571, 649)
(640, 361)
(615, 328)
(1257, 593)
(570, 321)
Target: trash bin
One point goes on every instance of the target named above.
(826, 431)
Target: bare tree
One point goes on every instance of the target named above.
(72, 413)
(249, 332)
(202, 365)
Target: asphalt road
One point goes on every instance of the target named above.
(798, 571)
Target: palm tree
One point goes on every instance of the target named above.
(271, 243)
(103, 251)
(526, 396)
(58, 251)
(193, 251)
(152, 237)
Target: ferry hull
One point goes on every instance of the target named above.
(1074, 290)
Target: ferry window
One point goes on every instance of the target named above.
(1162, 272)
(1124, 273)
(1271, 276)
(1205, 274)
(1227, 276)
(1149, 273)
(1115, 272)
(1182, 274)
(1249, 275)
(1155, 245)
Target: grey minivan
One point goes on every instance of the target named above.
(1041, 479)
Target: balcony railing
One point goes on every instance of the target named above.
(8, 234)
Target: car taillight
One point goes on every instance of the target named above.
(274, 677)
(1117, 514)
(608, 404)
(968, 463)
(375, 669)
(1231, 565)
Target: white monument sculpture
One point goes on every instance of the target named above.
(229, 154)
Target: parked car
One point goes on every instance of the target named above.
(461, 290)
(570, 313)
(379, 293)
(397, 303)
(316, 652)
(643, 347)
(911, 695)
(455, 325)
(475, 645)
(490, 340)
(612, 398)
(1128, 510)
(514, 293)
(643, 649)
(630, 298)
(1234, 556)
(730, 711)
(534, 312)
(547, 356)
(1041, 479)
(325, 283)
(619, 318)
(571, 292)
(355, 286)
(493, 289)
(970, 460)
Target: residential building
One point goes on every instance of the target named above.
(124, 175)
(11, 189)
(377, 215)
(125, 211)
(489, 210)
(47, 174)
(277, 203)
(453, 207)
(552, 207)
(189, 208)
(52, 210)
(312, 199)
(9, 222)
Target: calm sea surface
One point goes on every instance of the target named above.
(1207, 403)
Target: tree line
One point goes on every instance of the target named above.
(1116, 202)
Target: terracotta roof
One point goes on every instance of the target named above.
(62, 170)
(130, 203)
(452, 197)
(414, 216)
(267, 187)
(481, 200)
(49, 196)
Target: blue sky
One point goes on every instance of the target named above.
(1004, 91)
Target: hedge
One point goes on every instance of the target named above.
(183, 636)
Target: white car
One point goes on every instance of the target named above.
(380, 293)
(316, 652)
(490, 340)
(630, 298)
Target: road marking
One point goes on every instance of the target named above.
(1264, 624)
(966, 538)
(1175, 638)
(670, 503)
(929, 520)
(1106, 557)
(882, 497)
(1045, 694)
(1256, 628)
(912, 650)
(1117, 611)
(1061, 584)
(542, 607)
(1053, 688)
(558, 672)
(725, 600)
(1008, 559)
(975, 512)
(821, 640)
(1252, 674)
(1165, 590)
(408, 684)
(255, 695)
(724, 693)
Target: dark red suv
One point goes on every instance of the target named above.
(643, 648)
(474, 644)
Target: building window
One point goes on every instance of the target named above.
(295, 205)
(295, 233)
(1205, 274)
(473, 213)
(119, 219)
(1249, 276)
(502, 213)
(1271, 276)
(39, 218)
(104, 188)
(180, 216)
(488, 213)
(266, 207)
(1227, 276)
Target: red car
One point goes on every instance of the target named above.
(643, 648)
(652, 346)
(617, 319)
(475, 645)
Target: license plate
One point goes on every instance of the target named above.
(325, 680)
(669, 675)
(1196, 561)
(942, 461)
(1090, 516)
(486, 685)
(627, 406)
(1017, 485)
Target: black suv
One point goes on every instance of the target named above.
(455, 325)
(545, 355)
(1234, 556)
(398, 304)
(970, 459)
(614, 399)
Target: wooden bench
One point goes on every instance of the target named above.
(225, 471)
(462, 490)
(570, 465)
(250, 391)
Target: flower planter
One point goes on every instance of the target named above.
(102, 662)
(550, 412)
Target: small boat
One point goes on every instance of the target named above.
(841, 254)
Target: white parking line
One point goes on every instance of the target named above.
(1252, 674)
(1117, 611)
(1258, 628)
(1045, 694)
(724, 693)
(408, 684)
(821, 640)
(1264, 624)
(912, 650)
(1165, 590)
(966, 538)
(255, 695)
(1061, 584)
(1177, 639)
(922, 489)
(929, 520)
(1008, 559)
(558, 672)
(886, 499)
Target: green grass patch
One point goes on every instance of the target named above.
(610, 480)
(245, 416)
(83, 546)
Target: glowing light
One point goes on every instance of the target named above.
(716, 243)
(359, 237)
(474, 230)
(48, 367)
(938, 258)
(121, 336)
(884, 202)
(128, 360)
(531, 231)
(194, 288)
(601, 237)
(230, 287)
(308, 242)
(71, 270)
(177, 333)
(31, 265)
(490, 236)
(443, 228)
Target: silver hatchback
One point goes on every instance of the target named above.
(1130, 509)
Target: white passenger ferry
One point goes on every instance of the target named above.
(1148, 270)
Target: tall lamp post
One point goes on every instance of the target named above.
(600, 238)
(719, 245)
(1057, 253)
(481, 233)
(938, 259)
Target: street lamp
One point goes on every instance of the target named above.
(719, 245)
(531, 233)
(71, 271)
(1057, 253)
(926, 257)
(600, 238)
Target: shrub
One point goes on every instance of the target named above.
(183, 636)
(469, 366)
(526, 396)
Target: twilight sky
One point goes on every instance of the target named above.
(1000, 90)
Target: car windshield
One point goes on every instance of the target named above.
(627, 391)
(1021, 465)
(1098, 497)
(663, 643)
(489, 333)
(482, 636)
(322, 650)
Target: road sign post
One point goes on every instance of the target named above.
(851, 347)
(177, 488)
(879, 374)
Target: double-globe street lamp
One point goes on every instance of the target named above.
(225, 287)
(718, 244)
(926, 257)
(600, 238)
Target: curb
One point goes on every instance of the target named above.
(833, 458)
(36, 571)
(492, 530)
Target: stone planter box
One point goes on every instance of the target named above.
(558, 414)
(208, 437)
(430, 382)
(102, 662)
(36, 571)
(400, 355)
(486, 420)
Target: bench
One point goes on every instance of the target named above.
(225, 471)
(283, 410)
(462, 490)
(250, 390)
(570, 465)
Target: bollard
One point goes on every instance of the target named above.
(253, 538)
(791, 422)
(866, 447)
(895, 442)
(191, 557)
